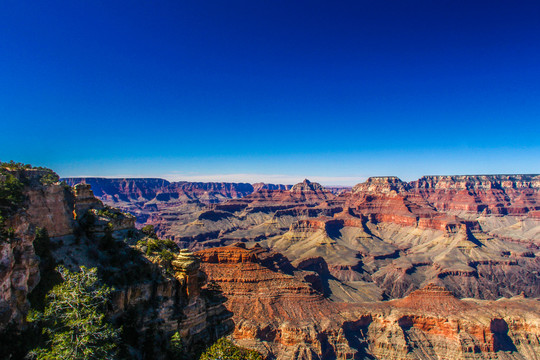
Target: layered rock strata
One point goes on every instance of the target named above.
(478, 235)
(284, 317)
(386, 237)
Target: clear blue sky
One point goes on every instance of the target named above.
(278, 90)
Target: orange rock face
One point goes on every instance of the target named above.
(305, 193)
(227, 255)
(497, 194)
(432, 298)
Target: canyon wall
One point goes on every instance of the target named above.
(149, 299)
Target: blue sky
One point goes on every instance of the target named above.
(271, 90)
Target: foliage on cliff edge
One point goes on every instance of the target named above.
(224, 349)
(73, 319)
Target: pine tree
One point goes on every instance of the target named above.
(73, 319)
(176, 348)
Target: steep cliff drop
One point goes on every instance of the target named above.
(153, 298)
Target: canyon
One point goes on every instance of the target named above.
(282, 312)
(445, 267)
(478, 236)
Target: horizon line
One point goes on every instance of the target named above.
(277, 179)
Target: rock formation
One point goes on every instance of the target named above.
(186, 270)
(381, 185)
(264, 186)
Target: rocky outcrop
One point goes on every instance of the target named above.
(496, 194)
(305, 193)
(310, 191)
(431, 298)
(264, 186)
(19, 272)
(42, 206)
(51, 207)
(381, 185)
(227, 255)
(85, 199)
(166, 305)
(469, 182)
(186, 270)
(307, 185)
(267, 303)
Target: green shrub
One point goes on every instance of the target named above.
(176, 349)
(166, 255)
(226, 350)
(149, 230)
(11, 192)
(169, 244)
(11, 199)
(152, 245)
(49, 178)
(6, 233)
(16, 166)
(107, 212)
(155, 245)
